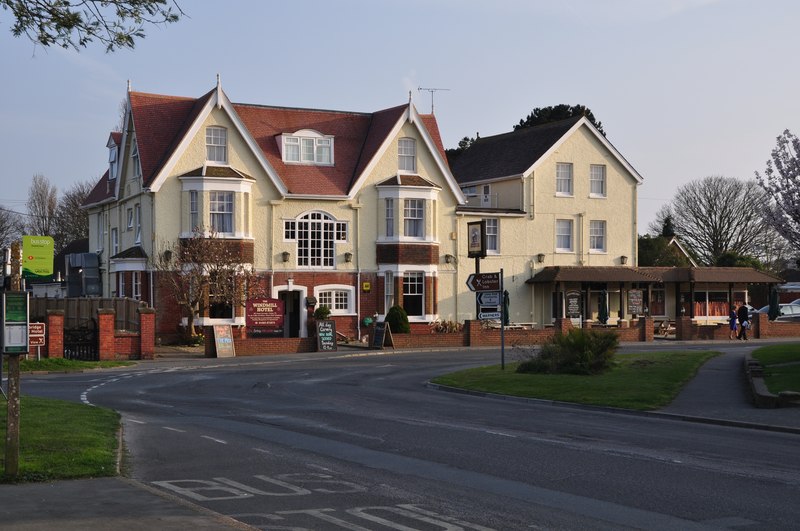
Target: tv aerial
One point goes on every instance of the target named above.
(431, 90)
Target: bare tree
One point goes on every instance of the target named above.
(115, 23)
(72, 223)
(781, 181)
(201, 272)
(11, 227)
(42, 204)
(719, 215)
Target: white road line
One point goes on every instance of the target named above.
(173, 429)
(500, 433)
(263, 451)
(220, 441)
(136, 421)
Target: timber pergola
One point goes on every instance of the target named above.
(558, 276)
(721, 276)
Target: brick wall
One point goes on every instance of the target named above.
(687, 330)
(112, 345)
(405, 253)
(764, 328)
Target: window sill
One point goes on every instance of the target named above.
(597, 196)
(562, 194)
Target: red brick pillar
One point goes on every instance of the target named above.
(562, 326)
(55, 333)
(649, 328)
(147, 333)
(684, 329)
(106, 342)
(760, 326)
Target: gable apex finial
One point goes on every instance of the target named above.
(129, 85)
(219, 92)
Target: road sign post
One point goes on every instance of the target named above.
(484, 282)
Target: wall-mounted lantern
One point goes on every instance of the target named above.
(623, 259)
(285, 255)
(540, 258)
(348, 257)
(449, 259)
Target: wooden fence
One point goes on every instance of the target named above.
(82, 310)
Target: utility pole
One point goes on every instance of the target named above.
(12, 423)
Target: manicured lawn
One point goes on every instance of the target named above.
(777, 375)
(643, 381)
(62, 440)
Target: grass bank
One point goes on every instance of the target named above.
(643, 381)
(63, 440)
(781, 366)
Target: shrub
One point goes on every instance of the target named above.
(578, 352)
(397, 319)
(322, 313)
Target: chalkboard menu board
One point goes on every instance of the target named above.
(223, 340)
(326, 335)
(573, 304)
(382, 334)
(635, 305)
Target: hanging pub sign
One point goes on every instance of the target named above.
(476, 239)
(264, 317)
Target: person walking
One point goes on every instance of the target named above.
(732, 318)
(741, 313)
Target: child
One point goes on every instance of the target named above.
(732, 319)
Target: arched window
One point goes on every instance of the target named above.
(316, 234)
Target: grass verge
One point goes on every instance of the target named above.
(62, 365)
(643, 381)
(777, 375)
(63, 440)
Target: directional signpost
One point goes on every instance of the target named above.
(488, 288)
(484, 282)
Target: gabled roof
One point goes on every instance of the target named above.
(165, 124)
(518, 153)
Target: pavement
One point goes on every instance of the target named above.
(718, 394)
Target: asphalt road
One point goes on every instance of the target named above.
(359, 442)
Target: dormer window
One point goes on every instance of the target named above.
(112, 162)
(307, 147)
(407, 155)
(217, 145)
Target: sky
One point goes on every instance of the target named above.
(684, 89)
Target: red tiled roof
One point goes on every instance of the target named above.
(161, 122)
(266, 124)
(102, 191)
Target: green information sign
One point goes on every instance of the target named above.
(16, 307)
(15, 322)
(37, 257)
